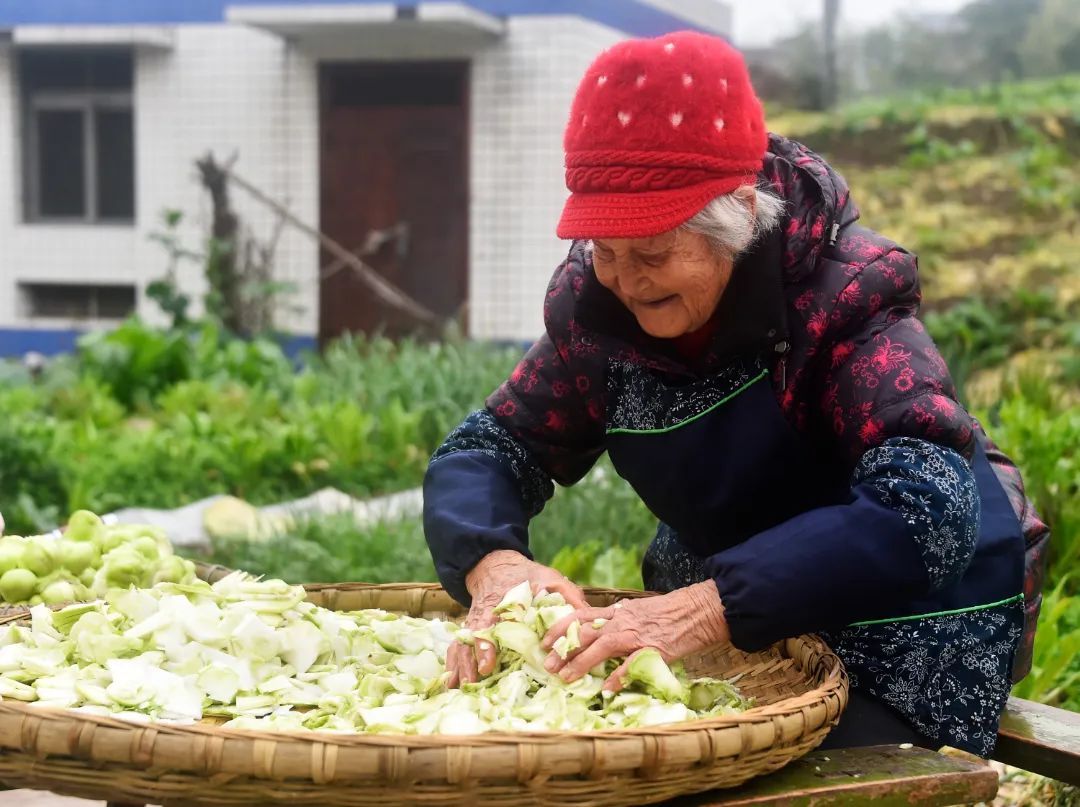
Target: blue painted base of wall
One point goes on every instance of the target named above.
(17, 342)
(295, 345)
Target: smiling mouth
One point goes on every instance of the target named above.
(658, 302)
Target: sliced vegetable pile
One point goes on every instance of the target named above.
(258, 653)
(86, 561)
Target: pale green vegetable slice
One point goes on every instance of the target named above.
(219, 683)
(16, 691)
(425, 665)
(648, 670)
(255, 652)
(570, 641)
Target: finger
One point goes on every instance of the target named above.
(559, 628)
(467, 666)
(584, 616)
(571, 593)
(461, 662)
(453, 679)
(467, 656)
(607, 646)
(482, 654)
(486, 657)
(586, 636)
(616, 681)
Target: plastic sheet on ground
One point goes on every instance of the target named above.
(186, 526)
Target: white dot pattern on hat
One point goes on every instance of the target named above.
(676, 119)
(625, 118)
(723, 84)
(640, 81)
(687, 79)
(601, 81)
(669, 47)
(584, 119)
(719, 124)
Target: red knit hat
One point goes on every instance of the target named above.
(659, 128)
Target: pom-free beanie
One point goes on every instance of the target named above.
(658, 128)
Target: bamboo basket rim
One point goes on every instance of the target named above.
(204, 764)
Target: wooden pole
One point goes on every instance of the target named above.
(387, 292)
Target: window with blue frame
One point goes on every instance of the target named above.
(78, 134)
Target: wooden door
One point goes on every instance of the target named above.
(394, 186)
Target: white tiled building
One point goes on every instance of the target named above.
(437, 124)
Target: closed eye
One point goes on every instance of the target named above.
(655, 261)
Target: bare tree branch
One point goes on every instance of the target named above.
(387, 292)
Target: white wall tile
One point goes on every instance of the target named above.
(521, 94)
(226, 89)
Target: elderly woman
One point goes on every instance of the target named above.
(749, 357)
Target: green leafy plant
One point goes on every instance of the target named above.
(165, 291)
(1043, 443)
(1055, 670)
(979, 333)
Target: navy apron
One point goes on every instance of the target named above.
(732, 465)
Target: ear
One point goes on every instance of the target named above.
(747, 194)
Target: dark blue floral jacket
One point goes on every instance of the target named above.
(814, 462)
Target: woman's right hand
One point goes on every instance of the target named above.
(488, 582)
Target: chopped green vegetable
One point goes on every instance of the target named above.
(570, 641)
(255, 652)
(648, 670)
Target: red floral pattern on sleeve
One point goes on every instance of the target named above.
(549, 403)
(884, 377)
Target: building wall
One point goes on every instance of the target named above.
(236, 90)
(522, 89)
(10, 187)
(222, 88)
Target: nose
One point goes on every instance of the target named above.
(632, 279)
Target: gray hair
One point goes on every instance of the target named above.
(729, 225)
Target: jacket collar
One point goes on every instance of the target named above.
(817, 199)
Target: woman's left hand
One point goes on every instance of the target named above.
(676, 624)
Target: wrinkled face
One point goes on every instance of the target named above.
(670, 282)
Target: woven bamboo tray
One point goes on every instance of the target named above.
(799, 684)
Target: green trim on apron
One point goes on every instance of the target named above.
(721, 402)
(1006, 601)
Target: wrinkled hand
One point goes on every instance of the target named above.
(676, 624)
(488, 582)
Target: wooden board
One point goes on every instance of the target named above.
(1040, 739)
(887, 774)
